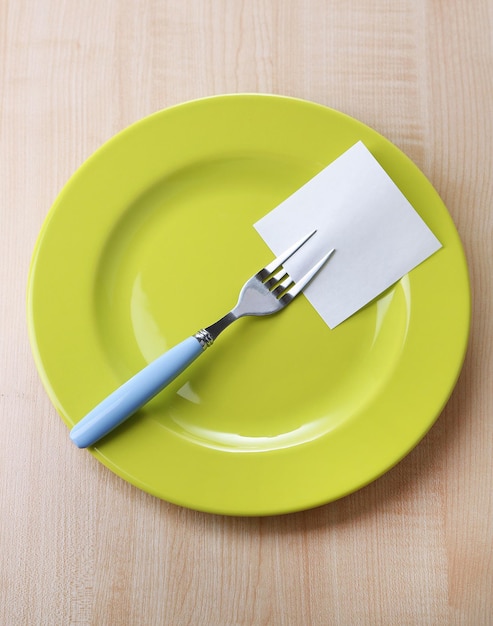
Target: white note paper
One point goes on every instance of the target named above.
(358, 210)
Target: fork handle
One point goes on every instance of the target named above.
(133, 394)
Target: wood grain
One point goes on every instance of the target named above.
(80, 546)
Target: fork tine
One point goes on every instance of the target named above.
(278, 278)
(281, 281)
(284, 256)
(303, 282)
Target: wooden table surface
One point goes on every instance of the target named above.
(79, 545)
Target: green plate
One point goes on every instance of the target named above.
(151, 240)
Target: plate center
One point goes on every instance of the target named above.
(176, 261)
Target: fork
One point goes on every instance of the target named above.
(268, 291)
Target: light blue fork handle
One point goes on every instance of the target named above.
(133, 394)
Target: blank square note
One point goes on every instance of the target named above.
(358, 210)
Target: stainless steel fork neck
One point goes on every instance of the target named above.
(206, 336)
